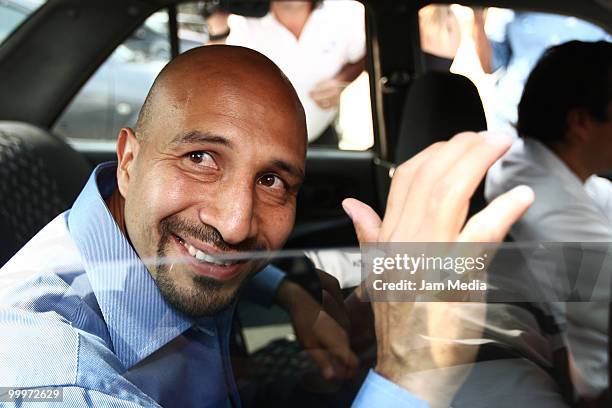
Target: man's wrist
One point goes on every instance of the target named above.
(220, 36)
(217, 25)
(287, 293)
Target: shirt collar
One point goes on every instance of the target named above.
(542, 154)
(138, 318)
(270, 19)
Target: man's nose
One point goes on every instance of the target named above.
(232, 213)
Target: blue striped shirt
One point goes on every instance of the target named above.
(79, 310)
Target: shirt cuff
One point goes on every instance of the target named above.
(377, 391)
(263, 286)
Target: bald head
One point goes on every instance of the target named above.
(215, 166)
(219, 71)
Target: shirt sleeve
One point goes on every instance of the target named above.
(500, 54)
(356, 47)
(262, 288)
(239, 31)
(379, 392)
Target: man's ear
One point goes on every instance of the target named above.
(579, 124)
(128, 148)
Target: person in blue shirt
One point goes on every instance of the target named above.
(516, 41)
(126, 299)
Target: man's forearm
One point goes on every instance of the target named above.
(350, 71)
(481, 41)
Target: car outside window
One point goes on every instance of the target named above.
(496, 48)
(112, 97)
(15, 12)
(333, 38)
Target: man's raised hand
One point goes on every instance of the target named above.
(428, 202)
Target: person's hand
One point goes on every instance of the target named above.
(479, 15)
(326, 93)
(428, 202)
(217, 25)
(322, 330)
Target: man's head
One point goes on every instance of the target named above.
(212, 169)
(567, 98)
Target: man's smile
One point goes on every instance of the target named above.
(207, 260)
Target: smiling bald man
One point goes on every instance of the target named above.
(126, 299)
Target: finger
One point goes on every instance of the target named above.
(365, 220)
(430, 188)
(335, 340)
(324, 93)
(402, 180)
(344, 361)
(323, 360)
(493, 223)
(343, 370)
(323, 104)
(452, 193)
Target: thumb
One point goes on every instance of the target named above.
(365, 220)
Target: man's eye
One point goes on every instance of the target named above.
(202, 159)
(272, 181)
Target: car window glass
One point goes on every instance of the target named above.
(320, 46)
(112, 97)
(13, 13)
(496, 48)
(324, 62)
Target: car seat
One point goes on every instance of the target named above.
(439, 105)
(40, 176)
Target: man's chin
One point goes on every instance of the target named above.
(198, 296)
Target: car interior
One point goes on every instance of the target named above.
(52, 54)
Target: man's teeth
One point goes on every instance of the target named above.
(203, 257)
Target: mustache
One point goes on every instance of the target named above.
(174, 225)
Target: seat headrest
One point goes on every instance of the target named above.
(438, 105)
(40, 176)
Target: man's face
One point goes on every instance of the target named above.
(213, 175)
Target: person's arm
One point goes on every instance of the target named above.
(427, 202)
(493, 47)
(218, 27)
(321, 329)
(264, 286)
(351, 71)
(481, 42)
(326, 93)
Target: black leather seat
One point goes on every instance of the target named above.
(40, 176)
(438, 106)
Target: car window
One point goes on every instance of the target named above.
(13, 13)
(112, 97)
(496, 48)
(324, 62)
(323, 56)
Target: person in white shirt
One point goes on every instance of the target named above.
(565, 129)
(319, 45)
